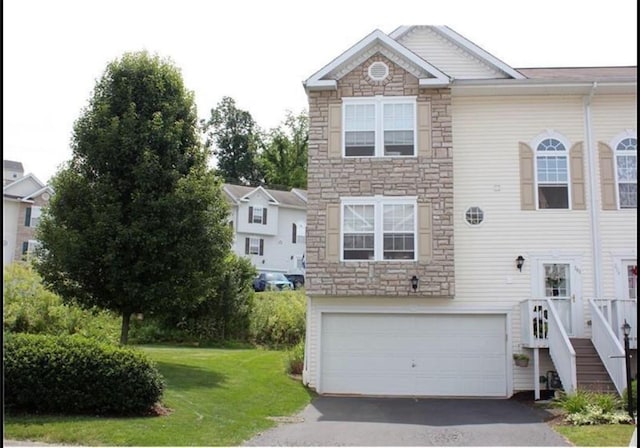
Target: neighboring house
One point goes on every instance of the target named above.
(433, 168)
(269, 227)
(23, 199)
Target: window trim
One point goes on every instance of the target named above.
(378, 102)
(567, 150)
(379, 202)
(614, 146)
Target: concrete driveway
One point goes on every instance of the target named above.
(346, 421)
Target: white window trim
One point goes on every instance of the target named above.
(255, 213)
(379, 101)
(614, 146)
(534, 144)
(251, 240)
(379, 202)
(36, 213)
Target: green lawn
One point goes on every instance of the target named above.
(597, 435)
(217, 397)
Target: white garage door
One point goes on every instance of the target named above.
(414, 354)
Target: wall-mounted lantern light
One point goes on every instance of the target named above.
(414, 283)
(520, 262)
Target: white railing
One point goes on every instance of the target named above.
(561, 351)
(615, 312)
(534, 323)
(609, 349)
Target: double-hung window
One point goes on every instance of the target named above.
(552, 174)
(379, 228)
(379, 126)
(627, 172)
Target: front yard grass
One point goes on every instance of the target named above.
(597, 435)
(217, 397)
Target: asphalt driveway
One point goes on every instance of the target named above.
(347, 421)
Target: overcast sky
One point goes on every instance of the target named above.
(259, 51)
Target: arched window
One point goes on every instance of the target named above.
(627, 172)
(552, 174)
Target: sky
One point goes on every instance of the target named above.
(259, 52)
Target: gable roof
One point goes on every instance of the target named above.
(26, 188)
(11, 165)
(240, 193)
(376, 41)
(465, 44)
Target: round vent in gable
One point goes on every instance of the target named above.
(378, 71)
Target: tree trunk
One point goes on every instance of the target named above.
(124, 333)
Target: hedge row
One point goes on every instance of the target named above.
(76, 375)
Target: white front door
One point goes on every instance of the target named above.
(559, 280)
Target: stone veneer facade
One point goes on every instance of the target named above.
(429, 177)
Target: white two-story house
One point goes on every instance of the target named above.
(269, 227)
(23, 197)
(461, 211)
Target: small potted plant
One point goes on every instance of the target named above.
(521, 359)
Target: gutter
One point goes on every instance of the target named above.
(594, 206)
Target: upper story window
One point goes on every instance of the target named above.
(379, 126)
(32, 216)
(257, 215)
(379, 228)
(552, 174)
(627, 172)
(298, 233)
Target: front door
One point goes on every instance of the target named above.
(559, 281)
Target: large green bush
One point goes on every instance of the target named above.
(278, 318)
(30, 308)
(76, 375)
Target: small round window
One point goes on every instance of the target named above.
(378, 71)
(474, 215)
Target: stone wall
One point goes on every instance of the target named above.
(430, 178)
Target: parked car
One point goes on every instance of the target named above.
(296, 279)
(271, 281)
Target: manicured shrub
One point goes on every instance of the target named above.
(592, 408)
(278, 318)
(30, 308)
(77, 375)
(295, 359)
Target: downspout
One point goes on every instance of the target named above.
(594, 206)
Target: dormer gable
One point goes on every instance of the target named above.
(26, 187)
(376, 42)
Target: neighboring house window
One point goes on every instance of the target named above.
(32, 216)
(257, 215)
(474, 216)
(297, 233)
(631, 277)
(627, 172)
(380, 228)
(29, 247)
(552, 174)
(379, 127)
(254, 246)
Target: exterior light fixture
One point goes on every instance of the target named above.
(414, 283)
(626, 330)
(519, 262)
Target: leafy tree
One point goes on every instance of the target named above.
(138, 221)
(235, 138)
(284, 159)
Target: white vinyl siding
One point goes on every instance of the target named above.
(379, 126)
(447, 56)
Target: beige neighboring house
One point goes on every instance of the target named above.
(269, 227)
(461, 211)
(22, 203)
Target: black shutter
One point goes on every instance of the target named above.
(293, 233)
(246, 246)
(264, 216)
(27, 218)
(261, 246)
(25, 247)
(250, 215)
